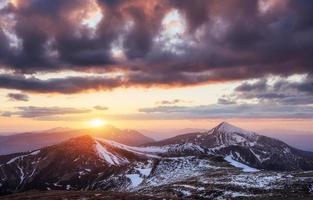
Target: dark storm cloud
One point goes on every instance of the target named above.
(18, 97)
(223, 41)
(67, 85)
(39, 112)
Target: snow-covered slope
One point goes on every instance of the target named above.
(109, 157)
(226, 134)
(228, 128)
(87, 162)
(258, 151)
(246, 147)
(179, 170)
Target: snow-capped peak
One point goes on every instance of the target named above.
(229, 128)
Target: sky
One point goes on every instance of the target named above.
(156, 64)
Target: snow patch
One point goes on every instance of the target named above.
(56, 184)
(237, 164)
(145, 151)
(237, 194)
(35, 152)
(145, 172)
(13, 159)
(184, 192)
(259, 157)
(22, 176)
(108, 156)
(22, 156)
(186, 186)
(175, 169)
(153, 151)
(265, 180)
(184, 147)
(135, 179)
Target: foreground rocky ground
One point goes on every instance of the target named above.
(81, 195)
(213, 184)
(95, 195)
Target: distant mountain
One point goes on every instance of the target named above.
(126, 136)
(299, 139)
(184, 170)
(161, 134)
(34, 140)
(247, 147)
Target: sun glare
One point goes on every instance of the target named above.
(97, 123)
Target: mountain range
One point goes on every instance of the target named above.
(225, 162)
(15, 143)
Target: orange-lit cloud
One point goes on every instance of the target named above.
(16, 3)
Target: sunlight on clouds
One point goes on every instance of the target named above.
(19, 3)
(173, 24)
(89, 16)
(265, 6)
(64, 74)
(95, 123)
(15, 3)
(117, 50)
(296, 77)
(172, 34)
(117, 47)
(118, 53)
(93, 18)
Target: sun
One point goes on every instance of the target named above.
(97, 123)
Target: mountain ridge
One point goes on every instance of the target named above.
(181, 170)
(34, 140)
(246, 147)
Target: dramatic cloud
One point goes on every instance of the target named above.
(263, 98)
(279, 92)
(58, 85)
(17, 97)
(166, 43)
(39, 112)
